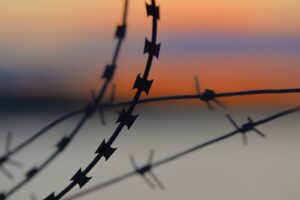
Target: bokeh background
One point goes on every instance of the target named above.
(52, 54)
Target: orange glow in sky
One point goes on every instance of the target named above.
(78, 34)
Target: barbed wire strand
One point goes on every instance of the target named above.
(90, 109)
(5, 157)
(142, 101)
(147, 168)
(217, 95)
(126, 118)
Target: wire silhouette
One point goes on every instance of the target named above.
(8, 160)
(111, 104)
(244, 129)
(217, 95)
(89, 111)
(126, 117)
(207, 96)
(147, 168)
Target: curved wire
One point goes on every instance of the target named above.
(175, 156)
(88, 112)
(126, 118)
(143, 101)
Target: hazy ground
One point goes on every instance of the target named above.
(264, 170)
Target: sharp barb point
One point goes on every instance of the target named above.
(151, 156)
(148, 182)
(102, 116)
(220, 104)
(259, 133)
(209, 106)
(232, 121)
(249, 119)
(197, 84)
(157, 180)
(245, 141)
(132, 160)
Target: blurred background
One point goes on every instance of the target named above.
(52, 54)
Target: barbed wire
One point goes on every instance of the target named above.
(150, 165)
(12, 162)
(111, 104)
(126, 117)
(89, 111)
(204, 97)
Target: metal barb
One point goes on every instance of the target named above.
(197, 84)
(141, 171)
(17, 164)
(245, 128)
(77, 112)
(102, 116)
(147, 169)
(100, 109)
(177, 155)
(207, 96)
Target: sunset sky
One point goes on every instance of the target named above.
(60, 47)
(53, 53)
